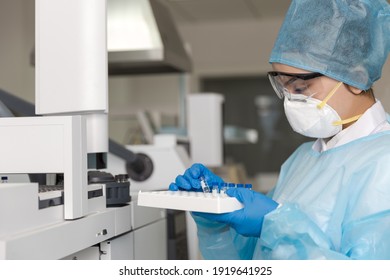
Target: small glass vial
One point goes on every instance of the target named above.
(223, 189)
(215, 190)
(205, 186)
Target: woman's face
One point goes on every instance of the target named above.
(320, 88)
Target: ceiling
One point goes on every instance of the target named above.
(196, 11)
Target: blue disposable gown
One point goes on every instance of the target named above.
(334, 205)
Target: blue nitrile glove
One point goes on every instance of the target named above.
(247, 221)
(190, 179)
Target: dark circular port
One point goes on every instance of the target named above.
(141, 169)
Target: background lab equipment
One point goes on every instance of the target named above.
(71, 212)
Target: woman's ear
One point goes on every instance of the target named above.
(354, 90)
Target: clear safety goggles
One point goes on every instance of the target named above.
(295, 86)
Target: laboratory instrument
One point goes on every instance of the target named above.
(62, 198)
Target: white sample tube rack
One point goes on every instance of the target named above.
(189, 201)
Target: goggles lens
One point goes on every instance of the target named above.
(294, 86)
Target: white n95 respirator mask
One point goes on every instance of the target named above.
(314, 118)
(306, 119)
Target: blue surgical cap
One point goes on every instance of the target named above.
(347, 40)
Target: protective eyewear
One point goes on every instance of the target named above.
(294, 86)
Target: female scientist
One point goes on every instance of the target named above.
(332, 198)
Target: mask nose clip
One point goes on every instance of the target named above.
(298, 97)
(301, 100)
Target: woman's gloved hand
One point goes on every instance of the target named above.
(190, 179)
(247, 221)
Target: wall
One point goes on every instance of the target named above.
(230, 48)
(382, 87)
(16, 43)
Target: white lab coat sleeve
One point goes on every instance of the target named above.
(288, 233)
(368, 238)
